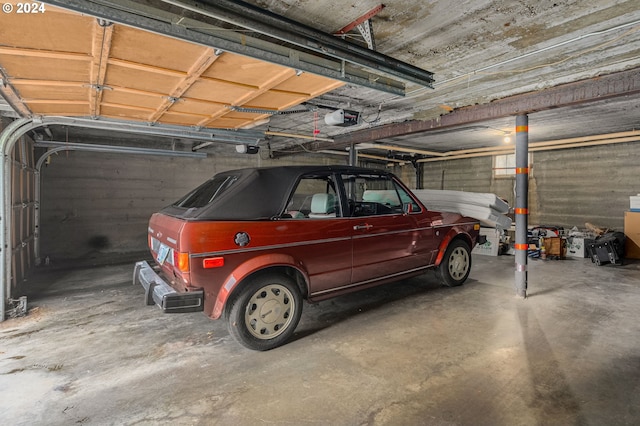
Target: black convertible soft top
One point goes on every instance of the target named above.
(252, 193)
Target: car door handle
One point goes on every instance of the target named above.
(366, 226)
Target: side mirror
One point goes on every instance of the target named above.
(407, 207)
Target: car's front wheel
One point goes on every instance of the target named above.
(456, 264)
(265, 313)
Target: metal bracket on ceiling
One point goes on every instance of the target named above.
(104, 22)
(366, 29)
(97, 87)
(364, 25)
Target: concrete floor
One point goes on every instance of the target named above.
(410, 353)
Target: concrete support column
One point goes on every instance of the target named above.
(419, 174)
(522, 203)
(353, 155)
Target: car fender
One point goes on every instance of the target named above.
(453, 233)
(249, 268)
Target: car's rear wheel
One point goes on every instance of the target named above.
(265, 313)
(456, 264)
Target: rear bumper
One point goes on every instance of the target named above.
(158, 292)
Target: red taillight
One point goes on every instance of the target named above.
(181, 261)
(213, 262)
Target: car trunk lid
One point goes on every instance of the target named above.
(164, 243)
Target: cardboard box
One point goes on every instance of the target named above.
(555, 247)
(632, 231)
(492, 246)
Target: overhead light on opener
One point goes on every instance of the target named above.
(247, 149)
(342, 118)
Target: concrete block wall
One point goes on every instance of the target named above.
(587, 184)
(94, 204)
(100, 203)
(566, 187)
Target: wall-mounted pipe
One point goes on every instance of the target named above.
(604, 139)
(556, 142)
(297, 136)
(362, 155)
(608, 139)
(534, 147)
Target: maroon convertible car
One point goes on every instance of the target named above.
(250, 245)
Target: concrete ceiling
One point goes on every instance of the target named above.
(481, 53)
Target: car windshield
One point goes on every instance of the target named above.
(206, 192)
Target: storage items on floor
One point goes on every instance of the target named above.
(491, 247)
(607, 248)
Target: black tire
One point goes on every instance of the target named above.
(456, 264)
(265, 313)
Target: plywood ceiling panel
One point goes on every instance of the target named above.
(153, 49)
(243, 70)
(223, 92)
(230, 122)
(68, 108)
(50, 68)
(47, 32)
(129, 97)
(52, 91)
(273, 98)
(140, 79)
(181, 119)
(125, 112)
(194, 106)
(70, 64)
(307, 85)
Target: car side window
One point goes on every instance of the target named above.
(374, 195)
(315, 197)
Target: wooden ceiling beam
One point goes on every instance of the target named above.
(130, 107)
(100, 51)
(55, 101)
(204, 61)
(50, 83)
(146, 68)
(132, 91)
(47, 54)
(269, 84)
(231, 83)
